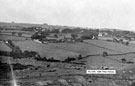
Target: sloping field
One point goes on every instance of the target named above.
(4, 47)
(128, 57)
(98, 61)
(45, 49)
(60, 50)
(111, 45)
(82, 48)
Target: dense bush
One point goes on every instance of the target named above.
(69, 59)
(55, 31)
(35, 36)
(127, 43)
(17, 52)
(30, 53)
(80, 56)
(67, 30)
(11, 54)
(17, 55)
(10, 43)
(86, 37)
(29, 29)
(41, 59)
(48, 60)
(105, 54)
(123, 60)
(39, 36)
(16, 49)
(52, 60)
(5, 53)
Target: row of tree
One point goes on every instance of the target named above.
(17, 52)
(47, 59)
(68, 59)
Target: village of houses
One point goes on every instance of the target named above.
(71, 35)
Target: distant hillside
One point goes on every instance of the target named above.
(45, 25)
(26, 25)
(4, 24)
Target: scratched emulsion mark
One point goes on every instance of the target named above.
(13, 81)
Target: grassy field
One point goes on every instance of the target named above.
(45, 49)
(61, 50)
(111, 46)
(4, 47)
(98, 61)
(82, 48)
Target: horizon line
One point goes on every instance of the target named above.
(67, 26)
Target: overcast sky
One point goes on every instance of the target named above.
(118, 14)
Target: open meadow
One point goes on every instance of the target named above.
(4, 47)
(45, 50)
(111, 46)
(61, 50)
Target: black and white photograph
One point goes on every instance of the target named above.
(67, 42)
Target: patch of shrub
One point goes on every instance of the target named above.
(30, 53)
(80, 56)
(105, 54)
(69, 59)
(48, 60)
(41, 59)
(123, 60)
(5, 53)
